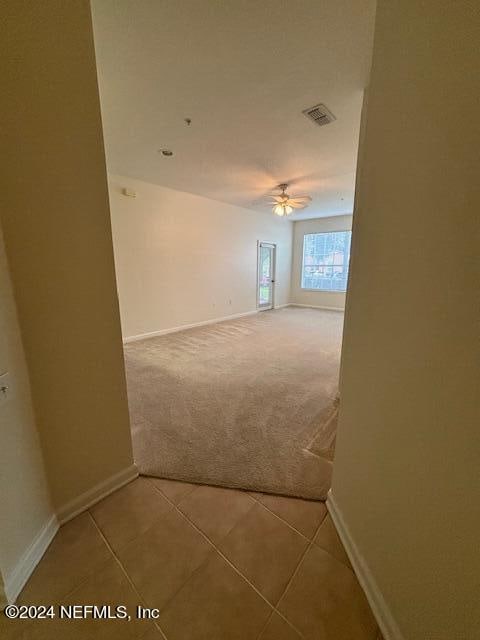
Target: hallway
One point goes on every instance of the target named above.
(154, 151)
(219, 564)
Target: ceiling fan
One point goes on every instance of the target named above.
(284, 204)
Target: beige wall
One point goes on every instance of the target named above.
(56, 223)
(3, 597)
(182, 258)
(407, 468)
(333, 299)
(24, 499)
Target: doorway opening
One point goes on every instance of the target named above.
(206, 236)
(266, 255)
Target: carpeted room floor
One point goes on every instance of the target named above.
(248, 403)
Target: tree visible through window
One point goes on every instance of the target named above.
(325, 260)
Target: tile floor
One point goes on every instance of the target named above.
(218, 564)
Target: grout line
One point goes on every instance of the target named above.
(272, 612)
(185, 495)
(287, 523)
(229, 530)
(124, 571)
(297, 568)
(310, 545)
(204, 535)
(207, 558)
(237, 571)
(98, 567)
(312, 540)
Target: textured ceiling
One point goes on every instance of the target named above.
(243, 71)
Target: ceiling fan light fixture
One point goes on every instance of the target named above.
(284, 205)
(282, 209)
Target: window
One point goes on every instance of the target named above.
(325, 260)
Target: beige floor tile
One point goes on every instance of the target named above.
(76, 552)
(40, 630)
(327, 538)
(129, 512)
(215, 604)
(74, 630)
(265, 550)
(161, 560)
(214, 510)
(173, 489)
(175, 569)
(303, 515)
(109, 586)
(324, 601)
(278, 629)
(153, 634)
(13, 629)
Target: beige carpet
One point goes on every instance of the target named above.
(248, 403)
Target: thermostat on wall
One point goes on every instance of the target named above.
(131, 193)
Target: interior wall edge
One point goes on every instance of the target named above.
(16, 580)
(56, 224)
(18, 577)
(378, 604)
(103, 489)
(24, 490)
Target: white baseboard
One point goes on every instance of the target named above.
(95, 494)
(203, 323)
(316, 306)
(162, 332)
(380, 609)
(15, 582)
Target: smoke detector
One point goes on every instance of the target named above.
(319, 114)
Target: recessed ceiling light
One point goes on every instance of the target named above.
(166, 152)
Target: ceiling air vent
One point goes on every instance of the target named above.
(319, 114)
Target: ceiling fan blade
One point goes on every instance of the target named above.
(295, 198)
(297, 205)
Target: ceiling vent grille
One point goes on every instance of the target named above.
(319, 114)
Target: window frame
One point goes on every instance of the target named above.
(302, 266)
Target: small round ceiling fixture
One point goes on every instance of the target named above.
(166, 152)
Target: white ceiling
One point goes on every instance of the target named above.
(243, 71)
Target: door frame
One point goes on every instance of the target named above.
(273, 246)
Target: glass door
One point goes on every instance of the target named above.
(266, 275)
